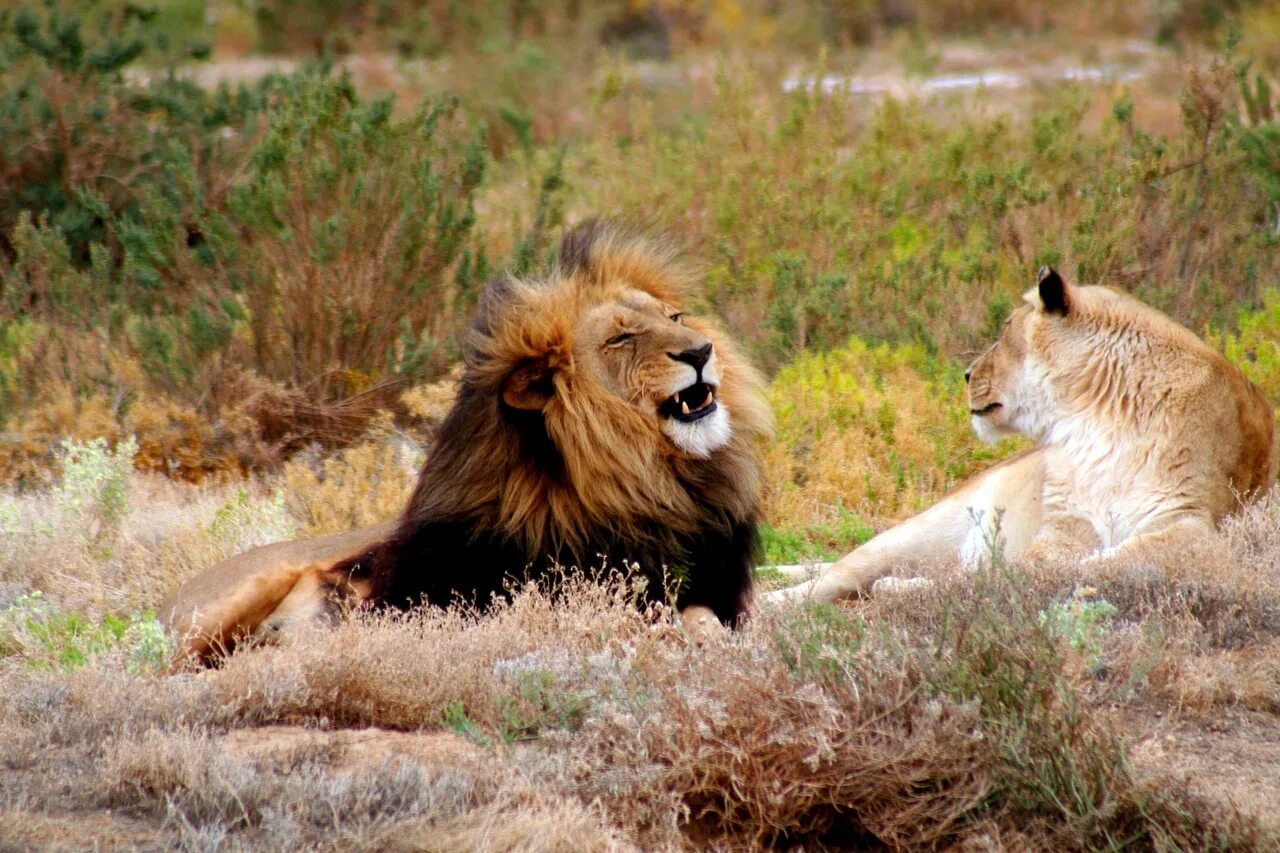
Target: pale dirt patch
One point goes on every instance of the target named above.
(1231, 760)
(360, 752)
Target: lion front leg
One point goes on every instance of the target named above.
(1186, 531)
(701, 624)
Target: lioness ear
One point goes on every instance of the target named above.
(1055, 296)
(529, 387)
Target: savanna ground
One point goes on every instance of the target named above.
(228, 307)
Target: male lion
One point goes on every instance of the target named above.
(596, 425)
(1144, 435)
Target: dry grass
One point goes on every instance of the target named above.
(124, 541)
(958, 715)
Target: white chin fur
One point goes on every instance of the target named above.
(703, 437)
(988, 431)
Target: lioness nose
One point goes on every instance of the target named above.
(696, 356)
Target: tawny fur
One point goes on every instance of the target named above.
(1144, 434)
(256, 593)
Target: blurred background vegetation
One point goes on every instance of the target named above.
(242, 231)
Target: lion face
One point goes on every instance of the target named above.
(648, 353)
(603, 354)
(1009, 390)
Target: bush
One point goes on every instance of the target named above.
(881, 431)
(829, 214)
(286, 252)
(93, 493)
(1255, 346)
(81, 144)
(40, 635)
(358, 221)
(351, 212)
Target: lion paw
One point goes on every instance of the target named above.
(701, 625)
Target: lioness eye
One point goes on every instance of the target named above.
(676, 317)
(619, 340)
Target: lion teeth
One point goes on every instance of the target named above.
(711, 397)
(677, 396)
(684, 407)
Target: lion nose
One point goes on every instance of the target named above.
(695, 356)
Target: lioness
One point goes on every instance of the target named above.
(1144, 434)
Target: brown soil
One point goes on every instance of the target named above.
(1231, 759)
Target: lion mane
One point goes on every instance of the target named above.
(589, 481)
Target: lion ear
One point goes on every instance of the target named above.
(529, 387)
(1055, 295)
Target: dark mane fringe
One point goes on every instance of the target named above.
(495, 504)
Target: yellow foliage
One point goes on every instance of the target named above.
(880, 430)
(177, 440)
(27, 451)
(431, 402)
(173, 438)
(364, 484)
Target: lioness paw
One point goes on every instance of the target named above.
(896, 585)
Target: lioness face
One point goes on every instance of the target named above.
(648, 353)
(1005, 393)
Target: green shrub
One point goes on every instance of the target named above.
(247, 522)
(131, 202)
(1057, 762)
(45, 637)
(1082, 621)
(351, 212)
(93, 493)
(359, 221)
(1255, 345)
(536, 703)
(920, 222)
(1259, 139)
(820, 641)
(81, 144)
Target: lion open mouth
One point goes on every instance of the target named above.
(690, 404)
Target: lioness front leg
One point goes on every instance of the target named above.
(999, 508)
(1062, 537)
(1184, 531)
(935, 535)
